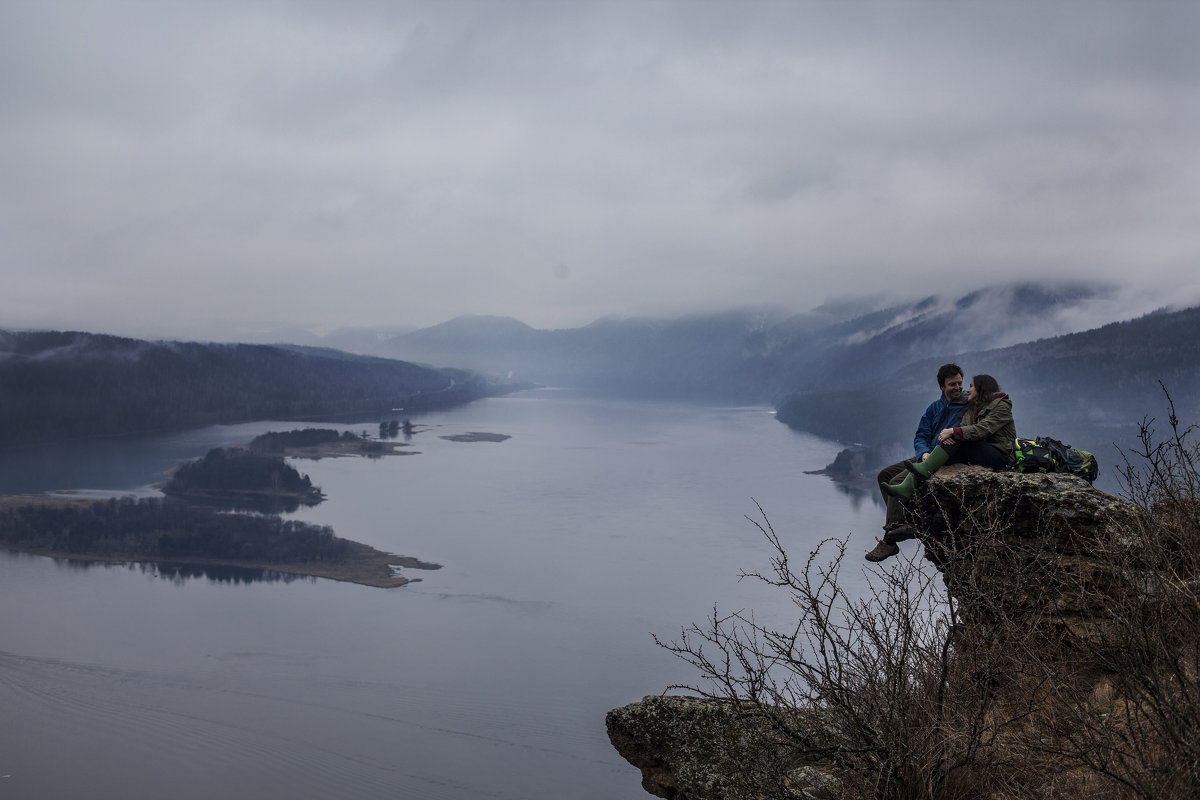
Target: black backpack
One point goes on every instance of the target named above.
(1044, 454)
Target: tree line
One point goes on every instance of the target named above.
(280, 441)
(63, 385)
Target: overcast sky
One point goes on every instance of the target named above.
(202, 169)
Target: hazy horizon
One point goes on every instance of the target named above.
(1105, 304)
(208, 171)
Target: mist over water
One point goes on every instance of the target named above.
(563, 549)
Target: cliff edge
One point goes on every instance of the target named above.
(1034, 564)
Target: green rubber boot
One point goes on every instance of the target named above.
(925, 469)
(918, 470)
(904, 488)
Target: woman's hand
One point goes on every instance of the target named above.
(946, 436)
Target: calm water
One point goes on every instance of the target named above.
(563, 548)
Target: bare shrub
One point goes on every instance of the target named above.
(1138, 727)
(876, 690)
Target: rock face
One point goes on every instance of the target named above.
(679, 743)
(1037, 550)
(1041, 547)
(695, 749)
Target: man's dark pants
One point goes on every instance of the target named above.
(895, 517)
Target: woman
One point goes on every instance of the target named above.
(984, 438)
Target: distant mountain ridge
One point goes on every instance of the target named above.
(862, 370)
(751, 355)
(983, 319)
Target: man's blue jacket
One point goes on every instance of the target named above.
(938, 416)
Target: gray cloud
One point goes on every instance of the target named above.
(197, 168)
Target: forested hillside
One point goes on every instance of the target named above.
(1091, 387)
(60, 385)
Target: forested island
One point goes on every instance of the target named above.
(316, 443)
(176, 532)
(237, 475)
(256, 477)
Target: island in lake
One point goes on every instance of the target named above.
(171, 531)
(192, 525)
(316, 443)
(476, 436)
(238, 478)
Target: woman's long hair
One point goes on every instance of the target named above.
(986, 388)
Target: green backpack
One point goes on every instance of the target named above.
(1044, 454)
(1032, 457)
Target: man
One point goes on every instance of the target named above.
(942, 413)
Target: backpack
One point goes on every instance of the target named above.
(1044, 454)
(1032, 457)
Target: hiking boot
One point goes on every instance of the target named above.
(884, 549)
(899, 533)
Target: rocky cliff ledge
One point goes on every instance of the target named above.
(692, 748)
(1048, 549)
(1034, 550)
(685, 747)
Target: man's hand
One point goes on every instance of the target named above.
(923, 456)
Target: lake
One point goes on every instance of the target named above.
(563, 549)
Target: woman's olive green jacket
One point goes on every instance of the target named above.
(992, 424)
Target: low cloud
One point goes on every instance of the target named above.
(192, 168)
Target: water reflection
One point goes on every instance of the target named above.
(261, 504)
(180, 574)
(391, 428)
(858, 493)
